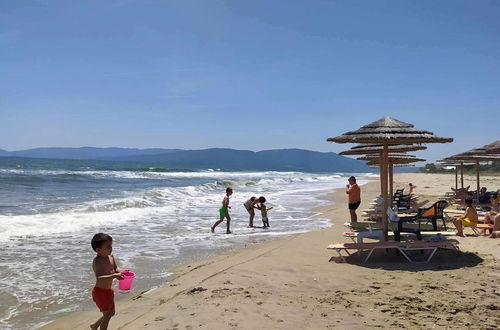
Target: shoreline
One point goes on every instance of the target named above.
(180, 269)
(331, 201)
(289, 283)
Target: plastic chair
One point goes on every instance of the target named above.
(435, 212)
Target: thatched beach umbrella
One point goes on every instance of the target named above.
(488, 150)
(456, 164)
(399, 159)
(374, 149)
(367, 149)
(391, 156)
(470, 156)
(388, 131)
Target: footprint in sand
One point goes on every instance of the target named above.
(196, 290)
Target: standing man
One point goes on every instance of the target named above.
(354, 193)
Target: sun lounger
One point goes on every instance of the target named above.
(480, 226)
(402, 247)
(358, 236)
(359, 247)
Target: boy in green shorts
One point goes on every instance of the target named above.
(224, 212)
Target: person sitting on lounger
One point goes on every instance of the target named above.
(496, 227)
(489, 217)
(469, 219)
(484, 196)
(461, 193)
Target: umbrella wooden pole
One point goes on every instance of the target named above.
(477, 179)
(391, 183)
(456, 177)
(381, 176)
(462, 174)
(385, 203)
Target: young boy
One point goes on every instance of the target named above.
(263, 211)
(224, 211)
(105, 269)
(469, 219)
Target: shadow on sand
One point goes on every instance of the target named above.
(390, 260)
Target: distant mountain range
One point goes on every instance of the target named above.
(216, 158)
(83, 152)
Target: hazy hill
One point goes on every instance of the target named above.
(273, 160)
(216, 158)
(85, 152)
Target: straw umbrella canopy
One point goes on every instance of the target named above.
(392, 157)
(478, 157)
(388, 131)
(370, 150)
(376, 163)
(456, 164)
(492, 148)
(367, 149)
(489, 149)
(392, 161)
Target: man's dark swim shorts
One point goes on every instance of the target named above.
(354, 206)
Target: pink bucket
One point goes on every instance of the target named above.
(126, 283)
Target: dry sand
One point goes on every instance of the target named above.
(290, 284)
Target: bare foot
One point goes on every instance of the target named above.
(228, 232)
(212, 229)
(94, 326)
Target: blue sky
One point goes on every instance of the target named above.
(245, 74)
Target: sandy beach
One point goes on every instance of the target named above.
(289, 283)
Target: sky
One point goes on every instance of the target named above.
(252, 75)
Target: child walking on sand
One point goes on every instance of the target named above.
(105, 269)
(263, 211)
(224, 212)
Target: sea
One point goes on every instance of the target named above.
(158, 218)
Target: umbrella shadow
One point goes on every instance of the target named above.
(443, 260)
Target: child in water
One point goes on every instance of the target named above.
(224, 212)
(263, 211)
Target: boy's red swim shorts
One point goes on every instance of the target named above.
(104, 298)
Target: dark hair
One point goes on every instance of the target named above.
(494, 195)
(252, 198)
(228, 189)
(99, 239)
(468, 201)
(411, 184)
(262, 199)
(353, 179)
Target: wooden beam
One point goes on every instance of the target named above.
(477, 179)
(462, 173)
(391, 181)
(385, 194)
